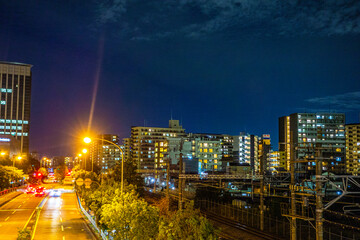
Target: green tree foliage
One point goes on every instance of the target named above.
(130, 175)
(8, 174)
(43, 172)
(130, 217)
(186, 224)
(24, 234)
(60, 172)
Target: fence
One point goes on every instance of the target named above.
(279, 226)
(6, 191)
(93, 223)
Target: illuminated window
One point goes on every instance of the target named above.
(210, 150)
(205, 150)
(3, 102)
(215, 166)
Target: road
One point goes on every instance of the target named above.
(60, 219)
(15, 213)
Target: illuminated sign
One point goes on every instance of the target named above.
(4, 139)
(266, 136)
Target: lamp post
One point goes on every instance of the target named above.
(84, 151)
(18, 158)
(88, 140)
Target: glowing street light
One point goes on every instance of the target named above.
(88, 140)
(84, 150)
(3, 153)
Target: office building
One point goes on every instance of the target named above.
(15, 94)
(276, 162)
(352, 137)
(303, 133)
(103, 154)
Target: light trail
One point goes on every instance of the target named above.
(97, 78)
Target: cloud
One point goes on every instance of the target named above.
(146, 19)
(343, 102)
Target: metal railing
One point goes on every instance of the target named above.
(92, 221)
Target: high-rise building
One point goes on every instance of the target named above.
(352, 133)
(15, 94)
(143, 142)
(276, 162)
(264, 149)
(127, 148)
(303, 133)
(246, 148)
(104, 154)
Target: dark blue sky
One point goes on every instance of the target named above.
(221, 66)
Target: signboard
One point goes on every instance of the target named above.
(87, 182)
(79, 181)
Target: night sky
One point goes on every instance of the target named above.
(219, 66)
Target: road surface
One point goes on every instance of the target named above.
(60, 219)
(15, 214)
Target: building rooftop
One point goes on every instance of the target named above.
(16, 63)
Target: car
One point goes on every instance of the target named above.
(55, 193)
(30, 190)
(39, 191)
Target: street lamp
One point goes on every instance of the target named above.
(18, 158)
(88, 140)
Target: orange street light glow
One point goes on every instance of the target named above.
(87, 140)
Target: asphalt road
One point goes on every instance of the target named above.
(60, 219)
(15, 214)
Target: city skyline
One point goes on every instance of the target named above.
(212, 71)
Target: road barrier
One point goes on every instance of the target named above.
(92, 221)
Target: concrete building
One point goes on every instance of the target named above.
(352, 137)
(69, 162)
(276, 162)
(104, 154)
(246, 149)
(307, 130)
(127, 148)
(15, 94)
(142, 148)
(10, 147)
(264, 149)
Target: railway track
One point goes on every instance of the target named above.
(238, 226)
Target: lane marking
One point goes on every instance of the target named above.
(63, 237)
(6, 219)
(14, 212)
(62, 228)
(60, 219)
(19, 206)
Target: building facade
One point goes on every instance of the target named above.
(352, 137)
(309, 132)
(15, 94)
(143, 139)
(104, 154)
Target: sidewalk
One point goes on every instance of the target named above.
(7, 197)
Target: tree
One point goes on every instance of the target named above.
(186, 224)
(9, 174)
(130, 175)
(130, 217)
(43, 172)
(60, 172)
(24, 234)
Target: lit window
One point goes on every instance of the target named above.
(3, 102)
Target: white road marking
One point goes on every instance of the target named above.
(14, 212)
(7, 219)
(19, 206)
(60, 219)
(63, 237)
(62, 228)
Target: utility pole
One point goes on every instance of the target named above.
(167, 182)
(292, 189)
(262, 193)
(181, 179)
(319, 204)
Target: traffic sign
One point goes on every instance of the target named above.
(79, 181)
(87, 182)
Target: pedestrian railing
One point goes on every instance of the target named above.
(92, 221)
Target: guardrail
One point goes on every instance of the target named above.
(92, 221)
(6, 191)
